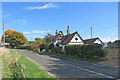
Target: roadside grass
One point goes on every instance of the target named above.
(94, 60)
(16, 65)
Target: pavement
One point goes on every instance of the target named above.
(69, 68)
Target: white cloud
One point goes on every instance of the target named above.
(108, 39)
(32, 36)
(48, 5)
(42, 32)
(26, 32)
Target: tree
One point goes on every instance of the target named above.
(14, 38)
(117, 41)
(48, 37)
(38, 39)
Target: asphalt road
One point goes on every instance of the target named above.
(68, 68)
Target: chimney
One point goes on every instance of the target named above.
(56, 32)
(68, 30)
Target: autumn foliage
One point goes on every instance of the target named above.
(14, 38)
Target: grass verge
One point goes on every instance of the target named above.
(94, 60)
(16, 65)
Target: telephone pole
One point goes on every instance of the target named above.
(91, 32)
(4, 32)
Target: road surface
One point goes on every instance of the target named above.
(68, 68)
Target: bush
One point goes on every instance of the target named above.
(37, 49)
(31, 47)
(42, 46)
(46, 48)
(51, 46)
(57, 50)
(85, 51)
(105, 52)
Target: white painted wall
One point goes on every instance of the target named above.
(79, 41)
(56, 42)
(98, 41)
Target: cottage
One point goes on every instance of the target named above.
(60, 40)
(94, 41)
(73, 39)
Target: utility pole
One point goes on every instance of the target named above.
(4, 32)
(91, 32)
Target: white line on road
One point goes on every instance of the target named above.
(88, 70)
(83, 69)
(98, 65)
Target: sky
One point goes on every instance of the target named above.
(36, 19)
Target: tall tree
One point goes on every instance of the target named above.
(14, 38)
(48, 37)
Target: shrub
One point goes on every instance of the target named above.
(42, 46)
(51, 46)
(31, 47)
(37, 49)
(57, 50)
(46, 48)
(85, 51)
(105, 52)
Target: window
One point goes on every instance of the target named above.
(76, 39)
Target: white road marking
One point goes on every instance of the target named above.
(98, 65)
(82, 68)
(88, 70)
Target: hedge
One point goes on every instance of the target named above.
(86, 51)
(57, 50)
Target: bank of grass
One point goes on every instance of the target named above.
(94, 60)
(16, 65)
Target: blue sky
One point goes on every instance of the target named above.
(80, 16)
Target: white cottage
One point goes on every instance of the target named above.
(73, 39)
(61, 40)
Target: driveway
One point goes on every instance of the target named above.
(69, 68)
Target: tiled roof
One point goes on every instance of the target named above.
(91, 41)
(66, 39)
(55, 38)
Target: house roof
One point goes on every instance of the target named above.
(67, 38)
(91, 41)
(55, 38)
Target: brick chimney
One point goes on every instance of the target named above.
(68, 30)
(56, 32)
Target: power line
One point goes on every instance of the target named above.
(28, 12)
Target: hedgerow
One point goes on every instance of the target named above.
(85, 51)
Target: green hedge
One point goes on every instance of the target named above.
(86, 51)
(57, 50)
